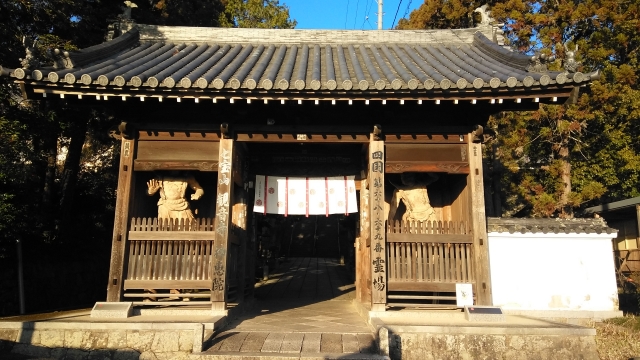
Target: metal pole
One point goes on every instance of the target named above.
(20, 277)
(379, 14)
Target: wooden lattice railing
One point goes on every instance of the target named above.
(170, 254)
(429, 256)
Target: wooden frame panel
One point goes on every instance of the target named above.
(449, 158)
(163, 150)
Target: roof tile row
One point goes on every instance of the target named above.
(477, 65)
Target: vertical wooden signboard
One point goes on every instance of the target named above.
(479, 225)
(363, 253)
(118, 247)
(377, 226)
(223, 208)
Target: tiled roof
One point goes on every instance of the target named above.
(545, 226)
(210, 60)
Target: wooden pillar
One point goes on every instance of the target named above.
(637, 226)
(118, 243)
(377, 225)
(223, 208)
(479, 225)
(239, 218)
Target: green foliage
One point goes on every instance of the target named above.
(439, 14)
(264, 14)
(62, 207)
(562, 158)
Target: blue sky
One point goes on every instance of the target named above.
(346, 14)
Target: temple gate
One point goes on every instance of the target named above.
(208, 110)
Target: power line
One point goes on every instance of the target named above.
(369, 22)
(346, 16)
(394, 18)
(406, 12)
(366, 14)
(355, 18)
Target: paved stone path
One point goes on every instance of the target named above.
(305, 308)
(269, 343)
(317, 279)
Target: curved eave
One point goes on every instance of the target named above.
(447, 67)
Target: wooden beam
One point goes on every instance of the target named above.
(119, 240)
(167, 284)
(429, 238)
(302, 138)
(171, 235)
(425, 166)
(377, 225)
(224, 201)
(427, 139)
(183, 135)
(310, 96)
(179, 151)
(479, 225)
(422, 286)
(140, 165)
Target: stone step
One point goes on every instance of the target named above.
(229, 355)
(291, 345)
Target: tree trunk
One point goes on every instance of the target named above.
(496, 177)
(487, 181)
(566, 210)
(50, 151)
(70, 174)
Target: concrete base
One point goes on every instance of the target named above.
(443, 334)
(112, 310)
(576, 317)
(78, 335)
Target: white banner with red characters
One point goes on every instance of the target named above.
(305, 196)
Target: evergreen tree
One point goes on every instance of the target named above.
(264, 14)
(58, 167)
(562, 158)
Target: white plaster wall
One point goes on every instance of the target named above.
(553, 271)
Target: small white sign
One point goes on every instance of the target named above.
(464, 295)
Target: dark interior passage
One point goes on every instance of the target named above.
(283, 237)
(308, 278)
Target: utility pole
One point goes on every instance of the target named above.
(20, 276)
(379, 14)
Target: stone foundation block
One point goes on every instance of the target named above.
(140, 340)
(117, 339)
(424, 346)
(52, 338)
(167, 341)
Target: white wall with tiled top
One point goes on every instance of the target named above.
(567, 272)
